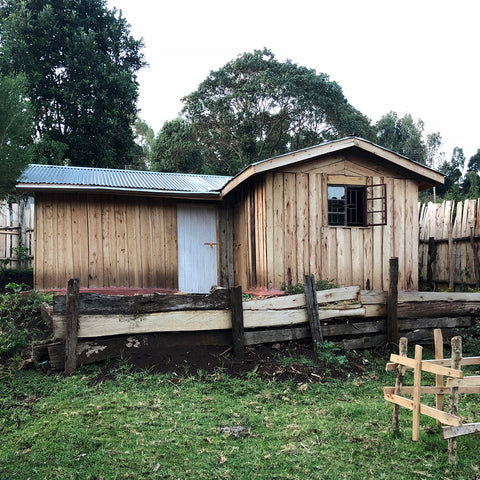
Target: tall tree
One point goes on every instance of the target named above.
(176, 148)
(80, 64)
(256, 107)
(453, 171)
(16, 132)
(402, 135)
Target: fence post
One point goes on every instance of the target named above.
(432, 256)
(403, 349)
(71, 338)
(456, 359)
(475, 258)
(312, 310)
(392, 303)
(238, 337)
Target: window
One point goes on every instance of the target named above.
(356, 206)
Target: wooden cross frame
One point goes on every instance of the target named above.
(442, 368)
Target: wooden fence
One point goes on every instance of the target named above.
(449, 242)
(350, 317)
(16, 234)
(456, 384)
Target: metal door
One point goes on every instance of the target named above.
(197, 248)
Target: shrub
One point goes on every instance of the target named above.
(20, 319)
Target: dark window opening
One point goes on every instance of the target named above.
(356, 206)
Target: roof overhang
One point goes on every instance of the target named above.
(40, 187)
(426, 176)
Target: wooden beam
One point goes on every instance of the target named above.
(392, 302)
(312, 310)
(403, 346)
(238, 338)
(71, 320)
(465, 429)
(453, 410)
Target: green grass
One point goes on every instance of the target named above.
(143, 425)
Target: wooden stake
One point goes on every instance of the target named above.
(71, 339)
(476, 262)
(312, 310)
(456, 360)
(392, 303)
(238, 337)
(399, 382)
(417, 381)
(451, 255)
(439, 379)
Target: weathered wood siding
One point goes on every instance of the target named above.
(281, 232)
(105, 240)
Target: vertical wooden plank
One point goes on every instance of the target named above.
(95, 243)
(109, 264)
(132, 237)
(312, 311)
(367, 282)
(290, 250)
(417, 381)
(344, 256)
(278, 232)
(50, 243)
(357, 258)
(240, 245)
(451, 258)
(392, 302)
(80, 231)
(160, 241)
(238, 338)
(301, 216)
(314, 226)
(378, 240)
(403, 347)
(439, 379)
(39, 244)
(453, 408)
(411, 237)
(388, 234)
(399, 232)
(171, 248)
(146, 244)
(269, 230)
(121, 258)
(71, 318)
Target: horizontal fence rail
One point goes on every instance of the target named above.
(348, 316)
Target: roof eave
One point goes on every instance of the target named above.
(31, 187)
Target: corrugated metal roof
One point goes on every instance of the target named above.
(56, 176)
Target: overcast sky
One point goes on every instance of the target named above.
(412, 56)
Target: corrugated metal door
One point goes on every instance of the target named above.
(197, 249)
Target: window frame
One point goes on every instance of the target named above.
(373, 208)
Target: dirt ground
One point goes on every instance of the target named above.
(295, 361)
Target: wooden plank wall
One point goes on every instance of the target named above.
(281, 231)
(16, 228)
(459, 220)
(105, 240)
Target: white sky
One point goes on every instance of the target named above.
(412, 56)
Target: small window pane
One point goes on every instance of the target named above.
(336, 205)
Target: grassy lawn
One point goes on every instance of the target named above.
(142, 425)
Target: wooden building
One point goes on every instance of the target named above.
(339, 210)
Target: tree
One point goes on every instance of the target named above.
(80, 65)
(402, 135)
(471, 184)
(176, 148)
(453, 175)
(144, 141)
(256, 107)
(16, 130)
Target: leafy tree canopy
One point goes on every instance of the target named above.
(80, 65)
(176, 148)
(403, 136)
(256, 107)
(16, 131)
